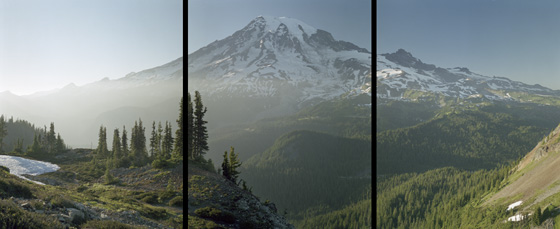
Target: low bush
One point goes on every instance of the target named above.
(59, 201)
(5, 169)
(15, 188)
(215, 214)
(150, 199)
(176, 201)
(105, 224)
(12, 216)
(153, 212)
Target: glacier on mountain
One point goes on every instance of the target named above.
(280, 56)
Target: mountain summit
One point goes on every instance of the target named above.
(280, 56)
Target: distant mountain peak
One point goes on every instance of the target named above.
(400, 71)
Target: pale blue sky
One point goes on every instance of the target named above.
(49, 44)
(348, 20)
(509, 38)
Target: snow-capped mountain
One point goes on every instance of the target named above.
(280, 56)
(400, 71)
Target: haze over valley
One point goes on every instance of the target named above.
(288, 133)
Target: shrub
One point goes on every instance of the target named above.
(153, 212)
(5, 169)
(59, 201)
(150, 199)
(15, 188)
(176, 201)
(159, 164)
(12, 216)
(215, 214)
(106, 224)
(81, 188)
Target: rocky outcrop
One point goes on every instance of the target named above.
(213, 198)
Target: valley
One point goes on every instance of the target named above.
(457, 149)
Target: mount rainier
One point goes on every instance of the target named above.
(400, 72)
(275, 57)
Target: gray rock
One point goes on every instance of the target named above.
(75, 215)
(27, 206)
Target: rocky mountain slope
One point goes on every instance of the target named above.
(215, 202)
(280, 57)
(537, 176)
(400, 72)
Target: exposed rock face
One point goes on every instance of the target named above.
(211, 191)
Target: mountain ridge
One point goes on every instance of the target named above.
(400, 71)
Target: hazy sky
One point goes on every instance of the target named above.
(48, 44)
(211, 20)
(510, 38)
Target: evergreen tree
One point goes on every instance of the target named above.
(537, 217)
(3, 132)
(18, 147)
(153, 141)
(167, 142)
(124, 161)
(102, 150)
(159, 138)
(190, 127)
(225, 167)
(138, 145)
(35, 148)
(178, 152)
(59, 144)
(234, 163)
(117, 149)
(200, 135)
(51, 139)
(124, 142)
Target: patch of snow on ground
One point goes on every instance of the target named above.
(19, 166)
(517, 217)
(511, 206)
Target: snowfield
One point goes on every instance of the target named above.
(517, 217)
(19, 166)
(512, 206)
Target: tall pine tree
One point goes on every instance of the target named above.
(200, 133)
(3, 132)
(178, 152)
(138, 145)
(234, 163)
(153, 141)
(117, 149)
(190, 127)
(125, 160)
(102, 150)
(167, 142)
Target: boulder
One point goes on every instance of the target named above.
(76, 216)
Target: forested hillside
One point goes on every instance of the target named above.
(20, 135)
(311, 172)
(480, 138)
